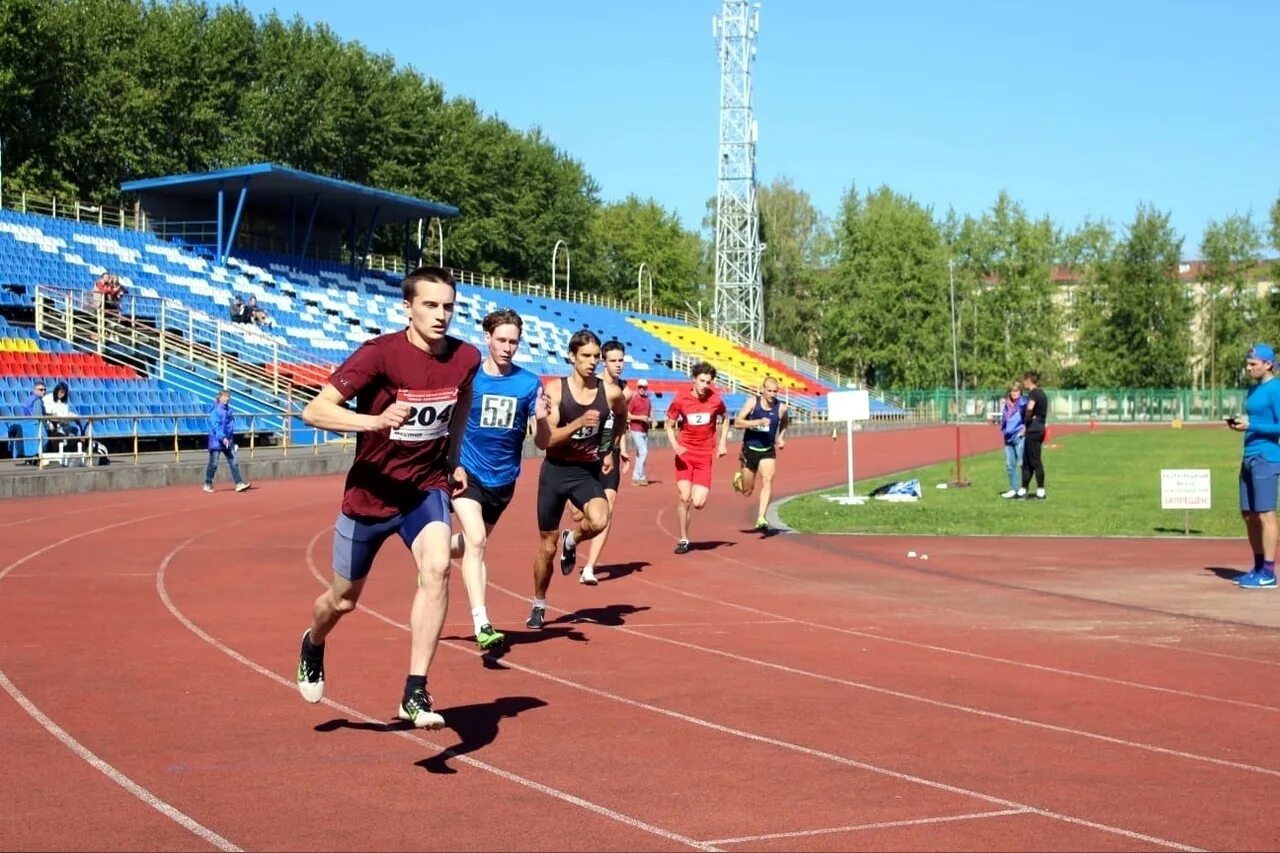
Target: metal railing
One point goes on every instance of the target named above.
(159, 337)
(45, 441)
(1104, 405)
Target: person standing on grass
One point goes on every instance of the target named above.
(413, 395)
(1260, 466)
(505, 398)
(640, 415)
(577, 407)
(1011, 427)
(222, 442)
(612, 441)
(763, 421)
(1033, 428)
(695, 414)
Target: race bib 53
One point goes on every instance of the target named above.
(429, 414)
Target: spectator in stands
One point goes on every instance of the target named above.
(58, 406)
(256, 315)
(108, 292)
(34, 407)
(237, 310)
(222, 441)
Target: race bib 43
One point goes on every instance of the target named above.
(429, 414)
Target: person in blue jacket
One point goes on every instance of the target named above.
(1260, 467)
(222, 441)
(1012, 427)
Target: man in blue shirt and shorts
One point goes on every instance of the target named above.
(1260, 467)
(504, 398)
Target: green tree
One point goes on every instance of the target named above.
(888, 314)
(634, 232)
(1148, 335)
(1227, 304)
(798, 247)
(1090, 253)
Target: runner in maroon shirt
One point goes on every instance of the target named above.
(695, 411)
(413, 394)
(577, 407)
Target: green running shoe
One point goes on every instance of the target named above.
(487, 638)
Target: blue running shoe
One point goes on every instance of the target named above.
(1261, 580)
(1249, 575)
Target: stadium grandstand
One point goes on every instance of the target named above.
(143, 370)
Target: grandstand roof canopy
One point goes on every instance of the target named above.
(274, 186)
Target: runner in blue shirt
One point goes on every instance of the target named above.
(504, 399)
(1260, 467)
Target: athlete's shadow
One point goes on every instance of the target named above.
(391, 726)
(619, 570)
(1227, 574)
(767, 533)
(709, 546)
(611, 614)
(476, 727)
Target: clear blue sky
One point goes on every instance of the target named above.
(1078, 110)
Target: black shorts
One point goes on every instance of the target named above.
(493, 500)
(750, 457)
(614, 477)
(575, 482)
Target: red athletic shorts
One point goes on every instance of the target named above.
(694, 468)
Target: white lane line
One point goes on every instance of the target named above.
(181, 818)
(47, 548)
(794, 747)
(603, 811)
(860, 827)
(853, 632)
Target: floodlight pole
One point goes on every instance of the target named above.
(960, 481)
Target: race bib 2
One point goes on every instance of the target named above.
(429, 414)
(698, 418)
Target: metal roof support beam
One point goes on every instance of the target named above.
(311, 222)
(235, 222)
(217, 249)
(368, 237)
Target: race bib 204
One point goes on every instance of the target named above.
(429, 414)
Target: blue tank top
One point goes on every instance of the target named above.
(501, 407)
(762, 438)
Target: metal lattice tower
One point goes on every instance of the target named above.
(738, 305)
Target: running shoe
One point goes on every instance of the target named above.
(535, 618)
(736, 482)
(568, 553)
(1261, 580)
(1247, 576)
(682, 547)
(762, 524)
(488, 638)
(311, 671)
(241, 487)
(208, 488)
(415, 708)
(588, 576)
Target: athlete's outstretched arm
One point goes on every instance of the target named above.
(328, 411)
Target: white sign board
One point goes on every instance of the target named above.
(848, 406)
(1184, 488)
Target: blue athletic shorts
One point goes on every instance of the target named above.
(1258, 481)
(356, 543)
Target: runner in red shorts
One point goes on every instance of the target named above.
(696, 411)
(412, 391)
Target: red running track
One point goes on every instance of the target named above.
(760, 693)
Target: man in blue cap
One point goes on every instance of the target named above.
(1260, 468)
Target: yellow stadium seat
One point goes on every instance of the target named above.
(728, 358)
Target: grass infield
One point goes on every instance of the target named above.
(1104, 483)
